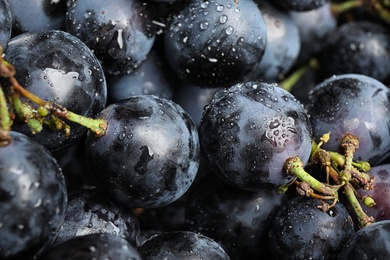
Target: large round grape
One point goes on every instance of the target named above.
(215, 43)
(356, 104)
(149, 156)
(57, 66)
(33, 197)
(249, 130)
(5, 23)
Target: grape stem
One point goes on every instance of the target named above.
(35, 117)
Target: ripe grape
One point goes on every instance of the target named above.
(57, 66)
(215, 43)
(355, 104)
(5, 23)
(93, 246)
(181, 245)
(370, 242)
(249, 130)
(120, 32)
(149, 156)
(360, 47)
(33, 197)
(300, 230)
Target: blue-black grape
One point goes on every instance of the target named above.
(300, 230)
(93, 246)
(370, 242)
(89, 211)
(215, 43)
(149, 156)
(360, 47)
(283, 44)
(236, 219)
(35, 15)
(120, 32)
(57, 66)
(181, 245)
(355, 104)
(33, 197)
(249, 130)
(5, 23)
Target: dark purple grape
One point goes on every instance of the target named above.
(370, 242)
(314, 27)
(152, 77)
(215, 43)
(57, 66)
(301, 5)
(181, 245)
(300, 230)
(149, 156)
(36, 15)
(238, 220)
(283, 44)
(249, 130)
(120, 32)
(93, 246)
(5, 23)
(193, 99)
(90, 211)
(33, 197)
(360, 47)
(356, 104)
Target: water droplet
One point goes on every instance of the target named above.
(223, 19)
(204, 25)
(220, 8)
(229, 30)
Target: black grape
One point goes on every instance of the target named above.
(91, 212)
(149, 156)
(370, 242)
(5, 23)
(352, 103)
(33, 197)
(57, 66)
(236, 219)
(152, 77)
(249, 130)
(120, 32)
(360, 47)
(215, 43)
(283, 44)
(36, 15)
(181, 245)
(300, 230)
(93, 246)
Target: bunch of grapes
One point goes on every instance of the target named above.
(194, 129)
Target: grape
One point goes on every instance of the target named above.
(36, 15)
(371, 242)
(120, 32)
(249, 130)
(33, 197)
(149, 156)
(181, 245)
(89, 211)
(300, 230)
(93, 246)
(360, 47)
(352, 103)
(238, 220)
(5, 23)
(57, 66)
(215, 43)
(283, 44)
(152, 77)
(301, 5)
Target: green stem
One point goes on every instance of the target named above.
(295, 167)
(5, 120)
(338, 8)
(289, 82)
(97, 127)
(363, 218)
